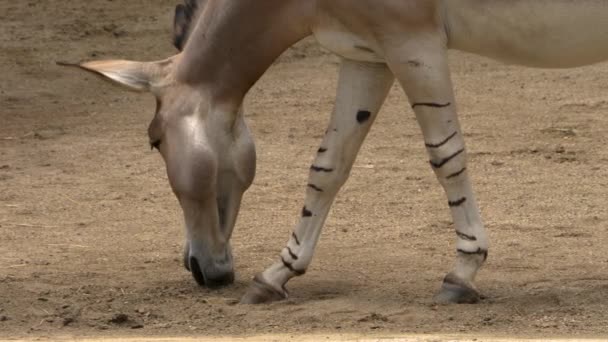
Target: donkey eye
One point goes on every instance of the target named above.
(155, 145)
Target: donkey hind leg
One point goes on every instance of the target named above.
(422, 70)
(362, 88)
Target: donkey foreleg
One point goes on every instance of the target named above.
(362, 88)
(421, 67)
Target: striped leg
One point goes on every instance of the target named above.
(424, 75)
(362, 89)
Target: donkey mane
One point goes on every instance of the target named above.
(184, 20)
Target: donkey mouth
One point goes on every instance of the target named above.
(211, 277)
(211, 270)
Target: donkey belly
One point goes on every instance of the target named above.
(344, 43)
(540, 33)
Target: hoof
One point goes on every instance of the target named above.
(457, 291)
(259, 292)
(210, 280)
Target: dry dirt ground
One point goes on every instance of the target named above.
(91, 234)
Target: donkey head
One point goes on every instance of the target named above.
(207, 148)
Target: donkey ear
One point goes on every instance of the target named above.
(181, 21)
(185, 20)
(139, 76)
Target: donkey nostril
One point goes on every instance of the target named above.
(196, 272)
(186, 258)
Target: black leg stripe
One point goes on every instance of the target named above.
(363, 116)
(286, 264)
(364, 48)
(292, 254)
(290, 267)
(458, 202)
(443, 142)
(306, 212)
(322, 150)
(456, 174)
(444, 161)
(479, 251)
(295, 238)
(320, 169)
(466, 237)
(431, 104)
(155, 145)
(314, 187)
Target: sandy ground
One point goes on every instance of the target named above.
(91, 234)
(368, 337)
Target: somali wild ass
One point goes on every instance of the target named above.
(227, 45)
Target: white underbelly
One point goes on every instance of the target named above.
(541, 33)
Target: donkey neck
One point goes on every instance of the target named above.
(235, 42)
